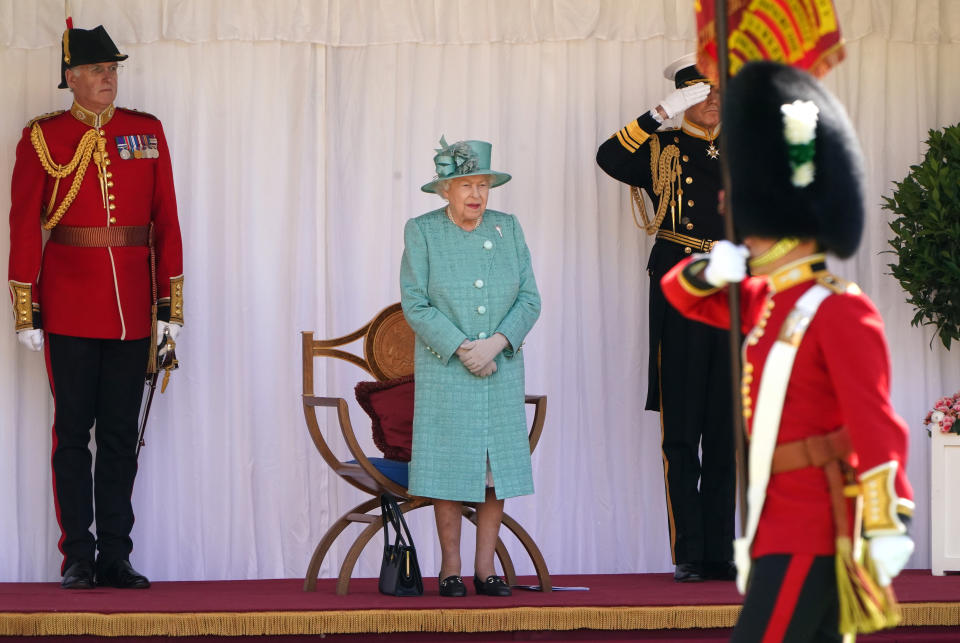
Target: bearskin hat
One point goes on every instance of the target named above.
(771, 195)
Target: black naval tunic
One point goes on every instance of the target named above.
(689, 365)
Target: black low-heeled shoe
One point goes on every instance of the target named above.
(79, 575)
(493, 586)
(689, 573)
(452, 586)
(120, 573)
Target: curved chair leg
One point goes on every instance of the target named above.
(539, 564)
(503, 555)
(310, 580)
(346, 569)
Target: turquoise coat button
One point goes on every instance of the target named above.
(488, 245)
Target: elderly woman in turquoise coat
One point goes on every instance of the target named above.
(468, 291)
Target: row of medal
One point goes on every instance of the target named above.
(138, 146)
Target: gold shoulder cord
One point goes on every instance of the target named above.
(79, 162)
(665, 169)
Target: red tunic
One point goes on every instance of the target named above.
(840, 377)
(95, 292)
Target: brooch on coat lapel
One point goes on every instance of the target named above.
(499, 231)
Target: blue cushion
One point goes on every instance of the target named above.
(392, 469)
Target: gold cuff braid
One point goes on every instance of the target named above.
(23, 305)
(880, 501)
(176, 300)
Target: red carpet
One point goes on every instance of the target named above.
(639, 605)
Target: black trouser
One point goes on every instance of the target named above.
(791, 598)
(95, 381)
(697, 427)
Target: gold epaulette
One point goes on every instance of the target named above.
(838, 286)
(138, 112)
(43, 117)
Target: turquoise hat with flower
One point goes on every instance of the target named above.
(463, 158)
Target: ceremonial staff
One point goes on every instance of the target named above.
(739, 441)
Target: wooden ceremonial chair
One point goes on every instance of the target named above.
(388, 344)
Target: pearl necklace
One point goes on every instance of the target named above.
(475, 225)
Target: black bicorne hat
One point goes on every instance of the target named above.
(771, 195)
(85, 47)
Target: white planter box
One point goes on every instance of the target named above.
(945, 502)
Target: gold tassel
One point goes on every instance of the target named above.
(152, 357)
(864, 606)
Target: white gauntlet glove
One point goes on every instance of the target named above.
(684, 97)
(478, 354)
(173, 329)
(728, 264)
(889, 555)
(32, 339)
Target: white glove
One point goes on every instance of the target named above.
(728, 264)
(889, 555)
(32, 339)
(476, 355)
(173, 329)
(685, 97)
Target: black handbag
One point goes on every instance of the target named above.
(399, 570)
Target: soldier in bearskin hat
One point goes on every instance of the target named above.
(110, 277)
(816, 375)
(689, 363)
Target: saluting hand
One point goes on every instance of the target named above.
(684, 97)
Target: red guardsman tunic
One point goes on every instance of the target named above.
(840, 377)
(96, 292)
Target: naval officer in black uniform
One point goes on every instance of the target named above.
(689, 366)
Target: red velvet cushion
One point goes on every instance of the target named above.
(390, 407)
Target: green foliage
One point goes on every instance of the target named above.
(927, 235)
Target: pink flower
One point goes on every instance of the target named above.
(946, 423)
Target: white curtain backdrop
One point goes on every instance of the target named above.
(301, 132)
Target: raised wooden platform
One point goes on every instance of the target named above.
(641, 603)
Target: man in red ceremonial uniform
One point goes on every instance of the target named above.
(816, 375)
(99, 179)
